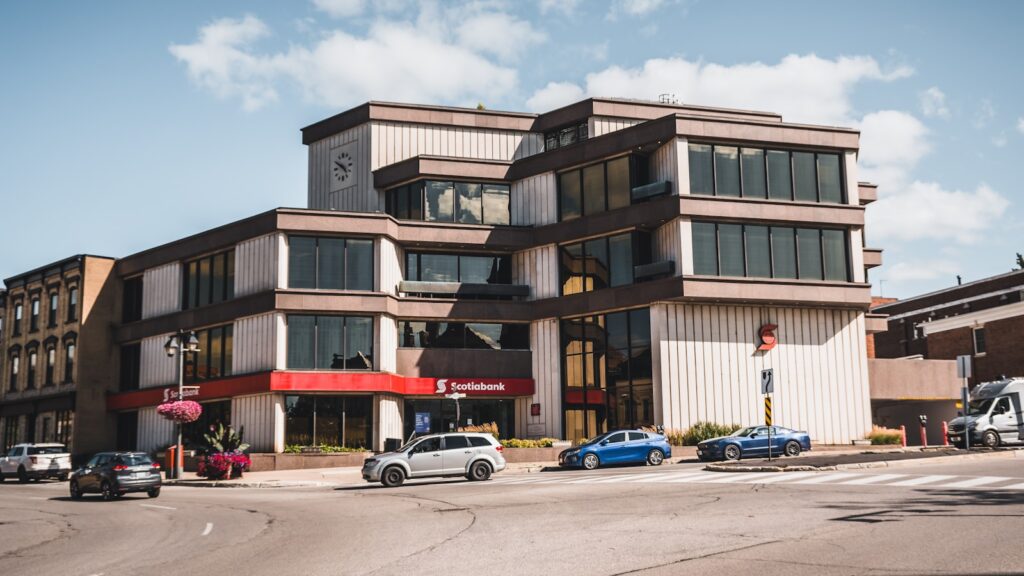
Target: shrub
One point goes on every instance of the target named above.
(223, 438)
(321, 448)
(526, 443)
(702, 431)
(222, 464)
(487, 428)
(183, 411)
(883, 436)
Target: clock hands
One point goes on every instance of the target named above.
(342, 166)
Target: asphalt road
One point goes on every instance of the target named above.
(943, 519)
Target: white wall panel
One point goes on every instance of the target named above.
(256, 264)
(664, 165)
(361, 196)
(157, 368)
(683, 163)
(389, 409)
(161, 290)
(389, 267)
(253, 346)
(548, 385)
(600, 125)
(706, 368)
(537, 268)
(259, 416)
(154, 431)
(533, 201)
(387, 344)
(667, 244)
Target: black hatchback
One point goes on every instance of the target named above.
(114, 474)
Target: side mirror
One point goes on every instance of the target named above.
(604, 442)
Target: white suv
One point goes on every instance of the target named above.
(474, 455)
(35, 461)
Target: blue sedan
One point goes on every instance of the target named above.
(618, 447)
(753, 441)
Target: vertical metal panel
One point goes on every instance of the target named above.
(391, 257)
(706, 368)
(157, 368)
(533, 200)
(538, 269)
(387, 346)
(154, 431)
(548, 391)
(605, 124)
(256, 265)
(361, 196)
(253, 345)
(257, 415)
(668, 244)
(161, 290)
(683, 166)
(664, 165)
(388, 409)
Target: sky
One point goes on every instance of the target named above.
(125, 125)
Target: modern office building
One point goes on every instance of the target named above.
(59, 362)
(608, 264)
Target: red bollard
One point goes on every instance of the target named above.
(945, 433)
(903, 436)
(924, 436)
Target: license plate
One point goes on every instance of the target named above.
(138, 474)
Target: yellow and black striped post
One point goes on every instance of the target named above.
(767, 410)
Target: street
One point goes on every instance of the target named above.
(674, 519)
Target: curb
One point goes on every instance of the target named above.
(1003, 454)
(257, 484)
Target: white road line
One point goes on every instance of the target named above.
(37, 498)
(695, 477)
(594, 479)
(1013, 487)
(669, 477)
(157, 506)
(873, 479)
(827, 477)
(733, 477)
(770, 478)
(209, 528)
(921, 480)
(976, 482)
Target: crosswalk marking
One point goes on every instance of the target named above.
(778, 477)
(873, 479)
(1013, 487)
(976, 482)
(921, 480)
(733, 477)
(826, 477)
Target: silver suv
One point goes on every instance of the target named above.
(473, 455)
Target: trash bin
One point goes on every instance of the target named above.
(392, 444)
(169, 469)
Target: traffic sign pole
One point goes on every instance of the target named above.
(768, 422)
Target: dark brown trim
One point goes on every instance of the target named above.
(772, 291)
(643, 215)
(637, 110)
(438, 167)
(196, 317)
(720, 208)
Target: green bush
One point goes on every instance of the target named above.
(702, 431)
(322, 449)
(885, 436)
(524, 443)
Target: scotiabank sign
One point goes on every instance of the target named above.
(485, 386)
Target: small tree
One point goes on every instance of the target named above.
(1020, 261)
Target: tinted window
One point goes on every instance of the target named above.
(829, 180)
(330, 264)
(637, 436)
(596, 252)
(701, 171)
(784, 252)
(730, 249)
(569, 193)
(804, 180)
(617, 437)
(809, 246)
(301, 262)
(727, 171)
(618, 183)
(439, 268)
(428, 445)
(301, 337)
(478, 441)
(593, 189)
(455, 442)
(495, 200)
(705, 250)
(46, 450)
(470, 202)
(620, 250)
(834, 246)
(359, 264)
(779, 182)
(758, 251)
(440, 201)
(754, 185)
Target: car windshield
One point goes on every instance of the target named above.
(744, 431)
(133, 460)
(979, 407)
(597, 439)
(46, 450)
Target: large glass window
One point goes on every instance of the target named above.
(439, 415)
(566, 135)
(470, 203)
(496, 204)
(569, 192)
(330, 342)
(19, 311)
(619, 186)
(465, 268)
(607, 382)
(776, 252)
(73, 304)
(594, 200)
(595, 188)
(214, 357)
(473, 335)
(446, 201)
(330, 263)
(208, 280)
(51, 316)
(69, 361)
(33, 321)
(131, 366)
(321, 420)
(598, 263)
(439, 201)
(131, 300)
(721, 170)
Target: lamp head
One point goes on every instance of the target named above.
(171, 347)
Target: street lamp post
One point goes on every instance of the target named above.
(177, 345)
(458, 415)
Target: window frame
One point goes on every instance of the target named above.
(402, 323)
(606, 196)
(192, 281)
(344, 341)
(975, 331)
(73, 297)
(815, 154)
(34, 311)
(204, 357)
(53, 309)
(402, 207)
(636, 257)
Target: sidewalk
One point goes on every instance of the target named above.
(864, 459)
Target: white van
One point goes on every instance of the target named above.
(994, 415)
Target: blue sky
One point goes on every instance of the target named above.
(124, 125)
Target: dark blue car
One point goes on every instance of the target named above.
(753, 441)
(618, 447)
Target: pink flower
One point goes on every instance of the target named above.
(180, 410)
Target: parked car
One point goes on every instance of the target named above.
(994, 416)
(471, 454)
(34, 461)
(753, 441)
(618, 447)
(113, 474)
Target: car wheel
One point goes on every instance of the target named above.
(591, 462)
(153, 492)
(392, 477)
(732, 452)
(990, 439)
(107, 491)
(76, 492)
(2, 477)
(62, 477)
(792, 448)
(655, 457)
(22, 475)
(479, 471)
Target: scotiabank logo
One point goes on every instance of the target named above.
(448, 386)
(768, 338)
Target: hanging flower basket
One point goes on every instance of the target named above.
(183, 411)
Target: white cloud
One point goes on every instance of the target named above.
(986, 112)
(497, 33)
(341, 8)
(891, 144)
(803, 88)
(633, 7)
(1000, 140)
(919, 270)
(925, 210)
(219, 61)
(393, 61)
(566, 7)
(554, 95)
(1020, 125)
(933, 103)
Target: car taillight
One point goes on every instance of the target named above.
(120, 468)
(156, 465)
(499, 448)
(34, 459)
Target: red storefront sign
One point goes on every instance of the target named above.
(768, 338)
(485, 386)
